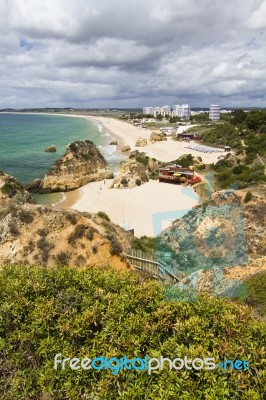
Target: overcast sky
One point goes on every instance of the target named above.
(121, 53)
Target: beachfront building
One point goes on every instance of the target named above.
(214, 112)
(177, 111)
(157, 111)
(183, 111)
(166, 110)
(148, 110)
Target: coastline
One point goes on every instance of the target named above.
(134, 206)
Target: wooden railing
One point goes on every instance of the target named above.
(153, 266)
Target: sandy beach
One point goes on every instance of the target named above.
(165, 151)
(138, 205)
(134, 206)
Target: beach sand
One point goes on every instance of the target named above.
(134, 206)
(137, 206)
(165, 151)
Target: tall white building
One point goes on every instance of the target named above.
(185, 111)
(177, 111)
(166, 110)
(157, 111)
(148, 110)
(214, 112)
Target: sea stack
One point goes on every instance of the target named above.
(82, 163)
(50, 149)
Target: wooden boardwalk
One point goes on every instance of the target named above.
(153, 266)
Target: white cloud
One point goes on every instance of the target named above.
(91, 53)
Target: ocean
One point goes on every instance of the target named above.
(24, 137)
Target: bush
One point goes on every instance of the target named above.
(90, 233)
(103, 215)
(13, 229)
(200, 167)
(94, 249)
(248, 197)
(93, 312)
(9, 189)
(62, 258)
(138, 182)
(26, 216)
(145, 244)
(44, 245)
(124, 181)
(71, 218)
(115, 246)
(254, 293)
(78, 233)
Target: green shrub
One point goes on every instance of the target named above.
(103, 215)
(200, 167)
(71, 218)
(145, 244)
(100, 312)
(78, 233)
(115, 246)
(254, 293)
(62, 258)
(26, 216)
(90, 233)
(138, 182)
(248, 197)
(9, 189)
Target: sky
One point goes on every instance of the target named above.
(122, 54)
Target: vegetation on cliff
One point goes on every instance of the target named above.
(92, 313)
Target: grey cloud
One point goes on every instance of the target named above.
(99, 53)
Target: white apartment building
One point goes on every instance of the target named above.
(156, 111)
(166, 110)
(148, 110)
(185, 111)
(177, 111)
(214, 112)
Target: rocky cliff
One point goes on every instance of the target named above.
(11, 191)
(82, 163)
(41, 235)
(137, 170)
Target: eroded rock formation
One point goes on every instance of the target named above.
(82, 163)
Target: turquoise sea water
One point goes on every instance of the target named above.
(24, 137)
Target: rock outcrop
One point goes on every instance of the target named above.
(125, 148)
(157, 137)
(82, 163)
(131, 174)
(41, 235)
(11, 191)
(141, 142)
(50, 149)
(135, 171)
